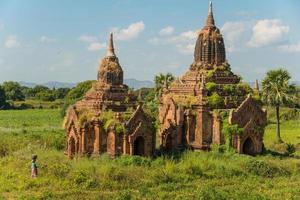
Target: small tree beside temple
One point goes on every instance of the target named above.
(277, 92)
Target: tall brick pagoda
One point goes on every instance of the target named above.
(109, 119)
(190, 108)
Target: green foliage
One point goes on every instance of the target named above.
(276, 88)
(162, 79)
(210, 73)
(126, 160)
(245, 87)
(229, 88)
(264, 169)
(80, 89)
(215, 100)
(210, 86)
(277, 92)
(290, 148)
(109, 120)
(13, 91)
(228, 130)
(290, 114)
(84, 116)
(75, 94)
(185, 101)
(2, 97)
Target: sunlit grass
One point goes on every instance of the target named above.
(190, 175)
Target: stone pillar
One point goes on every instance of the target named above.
(199, 126)
(131, 147)
(83, 141)
(125, 145)
(97, 142)
(239, 145)
(217, 126)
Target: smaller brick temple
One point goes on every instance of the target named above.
(209, 104)
(109, 119)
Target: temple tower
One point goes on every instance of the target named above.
(110, 71)
(210, 48)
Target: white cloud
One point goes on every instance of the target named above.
(232, 32)
(187, 36)
(11, 42)
(87, 38)
(291, 48)
(186, 48)
(169, 30)
(131, 32)
(96, 46)
(184, 42)
(266, 32)
(45, 39)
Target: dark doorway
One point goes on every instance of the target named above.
(168, 142)
(139, 146)
(248, 147)
(72, 147)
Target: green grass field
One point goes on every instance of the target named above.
(190, 175)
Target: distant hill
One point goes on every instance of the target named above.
(132, 83)
(49, 84)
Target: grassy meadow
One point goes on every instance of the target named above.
(187, 175)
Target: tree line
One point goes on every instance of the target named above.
(11, 91)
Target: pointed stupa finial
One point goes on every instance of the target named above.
(110, 47)
(256, 85)
(210, 7)
(210, 18)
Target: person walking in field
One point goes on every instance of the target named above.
(34, 170)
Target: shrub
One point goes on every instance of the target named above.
(127, 160)
(82, 178)
(291, 114)
(264, 169)
(215, 101)
(210, 86)
(290, 148)
(219, 148)
(228, 88)
(124, 195)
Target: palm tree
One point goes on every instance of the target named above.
(162, 80)
(277, 92)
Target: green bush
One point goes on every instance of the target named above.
(127, 160)
(215, 100)
(210, 86)
(229, 88)
(264, 169)
(124, 195)
(290, 148)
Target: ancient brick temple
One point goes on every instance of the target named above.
(109, 118)
(208, 105)
(196, 108)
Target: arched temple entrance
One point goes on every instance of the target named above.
(139, 146)
(249, 147)
(72, 147)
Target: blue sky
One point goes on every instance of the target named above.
(63, 40)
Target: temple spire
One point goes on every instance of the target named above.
(210, 18)
(256, 85)
(110, 47)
